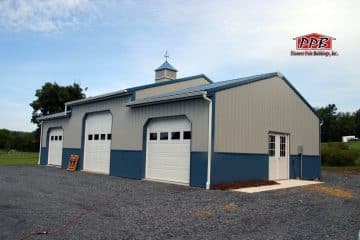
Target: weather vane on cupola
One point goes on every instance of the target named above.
(165, 72)
(166, 56)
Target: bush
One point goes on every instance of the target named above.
(338, 154)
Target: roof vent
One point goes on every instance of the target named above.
(165, 72)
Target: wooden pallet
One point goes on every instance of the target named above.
(73, 162)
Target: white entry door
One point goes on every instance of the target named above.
(168, 150)
(97, 143)
(278, 156)
(55, 147)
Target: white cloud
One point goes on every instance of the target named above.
(45, 15)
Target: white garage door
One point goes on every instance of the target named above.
(168, 150)
(55, 147)
(97, 143)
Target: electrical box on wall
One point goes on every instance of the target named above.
(300, 149)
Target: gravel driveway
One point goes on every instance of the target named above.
(88, 206)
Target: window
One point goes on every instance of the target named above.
(60, 138)
(52, 138)
(103, 136)
(153, 136)
(271, 145)
(282, 146)
(175, 135)
(90, 137)
(187, 135)
(56, 138)
(96, 136)
(109, 136)
(164, 136)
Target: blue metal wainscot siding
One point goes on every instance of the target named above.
(239, 167)
(66, 156)
(131, 164)
(44, 156)
(310, 169)
(198, 169)
(127, 163)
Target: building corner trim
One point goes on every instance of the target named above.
(41, 138)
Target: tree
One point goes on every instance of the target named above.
(357, 123)
(4, 138)
(328, 116)
(51, 98)
(344, 125)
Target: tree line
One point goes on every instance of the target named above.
(20, 141)
(337, 124)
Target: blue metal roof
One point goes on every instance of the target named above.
(166, 65)
(192, 92)
(156, 84)
(129, 91)
(55, 116)
(218, 86)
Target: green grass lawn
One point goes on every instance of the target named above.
(346, 169)
(18, 158)
(354, 145)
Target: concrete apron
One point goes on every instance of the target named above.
(288, 183)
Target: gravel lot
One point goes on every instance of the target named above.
(88, 206)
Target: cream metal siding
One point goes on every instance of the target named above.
(127, 125)
(169, 87)
(131, 123)
(245, 114)
(163, 74)
(56, 123)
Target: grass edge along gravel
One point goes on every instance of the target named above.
(14, 158)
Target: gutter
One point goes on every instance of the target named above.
(98, 98)
(208, 180)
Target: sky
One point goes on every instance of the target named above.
(108, 45)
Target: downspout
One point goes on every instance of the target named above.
(321, 123)
(208, 180)
(41, 137)
(301, 166)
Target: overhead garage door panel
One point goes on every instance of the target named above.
(55, 147)
(97, 143)
(168, 158)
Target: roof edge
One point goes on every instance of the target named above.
(157, 100)
(133, 89)
(98, 97)
(245, 81)
(301, 97)
(264, 77)
(55, 116)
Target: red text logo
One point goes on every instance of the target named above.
(314, 44)
(314, 41)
